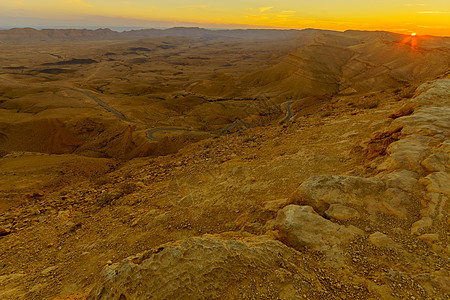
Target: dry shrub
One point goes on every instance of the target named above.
(107, 198)
(126, 188)
(102, 180)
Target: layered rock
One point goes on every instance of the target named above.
(410, 193)
(207, 268)
(427, 151)
(302, 227)
(415, 172)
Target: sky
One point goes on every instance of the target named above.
(402, 16)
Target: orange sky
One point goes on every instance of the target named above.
(403, 16)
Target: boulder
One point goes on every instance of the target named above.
(428, 120)
(396, 202)
(206, 267)
(301, 226)
(408, 153)
(429, 237)
(401, 179)
(437, 162)
(438, 182)
(434, 93)
(419, 226)
(322, 191)
(381, 240)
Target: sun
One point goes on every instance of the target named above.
(412, 40)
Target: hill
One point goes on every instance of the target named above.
(354, 62)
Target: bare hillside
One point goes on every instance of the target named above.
(355, 62)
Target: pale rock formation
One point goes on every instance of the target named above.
(401, 179)
(201, 267)
(321, 191)
(405, 153)
(413, 185)
(301, 227)
(381, 240)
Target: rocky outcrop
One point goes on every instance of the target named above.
(301, 227)
(205, 268)
(406, 201)
(425, 149)
(322, 191)
(416, 171)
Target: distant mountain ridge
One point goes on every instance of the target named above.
(354, 62)
(43, 35)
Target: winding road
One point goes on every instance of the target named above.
(151, 133)
(288, 112)
(101, 103)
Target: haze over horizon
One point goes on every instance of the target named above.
(404, 16)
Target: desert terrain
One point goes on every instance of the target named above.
(224, 164)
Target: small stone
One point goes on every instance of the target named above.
(381, 240)
(421, 224)
(36, 288)
(42, 219)
(429, 237)
(34, 211)
(49, 270)
(276, 205)
(63, 214)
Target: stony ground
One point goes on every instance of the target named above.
(347, 203)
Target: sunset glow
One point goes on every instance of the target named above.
(403, 16)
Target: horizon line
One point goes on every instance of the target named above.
(121, 29)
